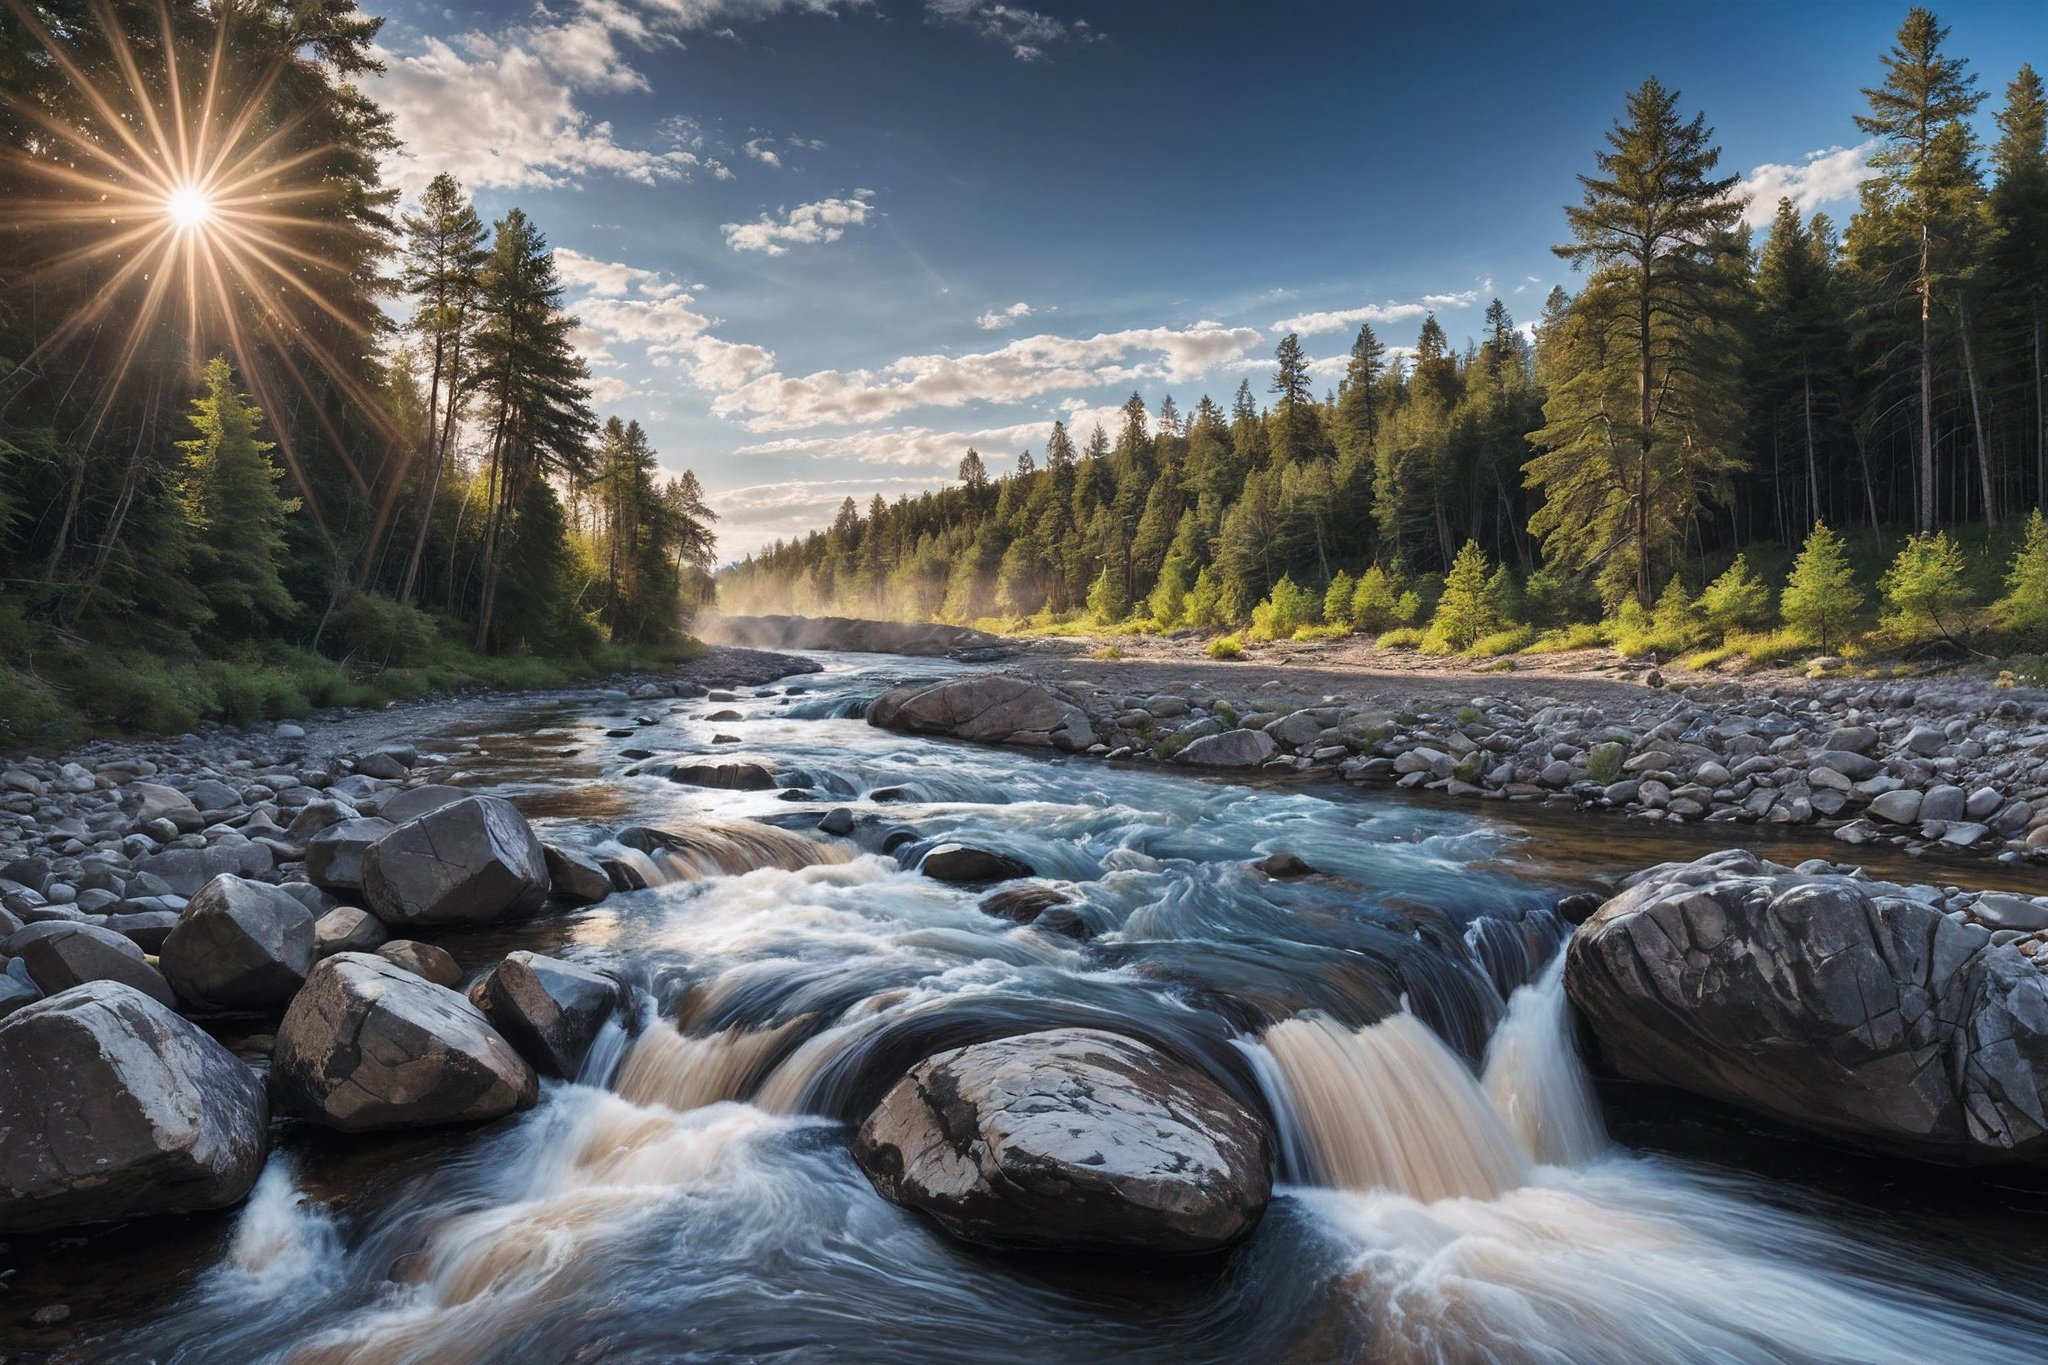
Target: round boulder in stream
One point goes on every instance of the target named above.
(469, 862)
(1069, 1140)
(368, 1045)
(240, 945)
(112, 1106)
(549, 1009)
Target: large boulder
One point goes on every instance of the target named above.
(986, 708)
(549, 1009)
(1070, 1140)
(112, 1106)
(334, 856)
(60, 954)
(368, 1045)
(240, 945)
(1231, 749)
(469, 862)
(1832, 1003)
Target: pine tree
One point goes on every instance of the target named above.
(1337, 598)
(1821, 597)
(1799, 344)
(2016, 274)
(230, 495)
(2023, 609)
(1737, 601)
(1465, 613)
(1294, 435)
(1919, 114)
(1923, 589)
(442, 269)
(1632, 446)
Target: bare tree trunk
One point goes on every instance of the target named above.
(1977, 418)
(1812, 466)
(1926, 516)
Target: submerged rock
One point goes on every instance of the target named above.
(964, 864)
(367, 1044)
(112, 1106)
(1836, 1004)
(1072, 1140)
(987, 709)
(472, 861)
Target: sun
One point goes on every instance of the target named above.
(189, 208)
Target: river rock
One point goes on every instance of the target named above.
(576, 876)
(412, 803)
(845, 633)
(966, 865)
(240, 945)
(1071, 1140)
(470, 862)
(736, 775)
(185, 870)
(61, 954)
(422, 960)
(368, 1045)
(111, 1106)
(987, 709)
(1231, 749)
(1897, 807)
(1832, 1003)
(346, 929)
(550, 1010)
(334, 856)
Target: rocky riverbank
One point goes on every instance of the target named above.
(1954, 764)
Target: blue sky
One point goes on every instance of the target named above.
(820, 247)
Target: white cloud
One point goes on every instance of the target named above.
(1027, 368)
(1310, 324)
(609, 279)
(500, 110)
(806, 224)
(608, 389)
(760, 149)
(1026, 33)
(1824, 177)
(998, 318)
(752, 517)
(923, 448)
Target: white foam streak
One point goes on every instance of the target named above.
(1535, 1079)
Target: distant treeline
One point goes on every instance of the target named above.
(1702, 390)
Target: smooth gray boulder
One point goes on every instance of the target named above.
(368, 1045)
(470, 862)
(734, 775)
(1069, 1140)
(240, 945)
(550, 1010)
(347, 929)
(1900, 807)
(414, 802)
(334, 856)
(987, 709)
(185, 870)
(1836, 1004)
(111, 1106)
(60, 954)
(1231, 749)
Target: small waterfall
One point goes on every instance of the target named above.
(1536, 1081)
(283, 1239)
(1385, 1106)
(663, 857)
(663, 1067)
(607, 1051)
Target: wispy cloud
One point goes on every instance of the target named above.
(1026, 33)
(1310, 324)
(996, 319)
(806, 224)
(1828, 176)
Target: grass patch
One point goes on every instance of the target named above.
(1513, 640)
(1564, 639)
(1227, 647)
(1405, 637)
(1330, 632)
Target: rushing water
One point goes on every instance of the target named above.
(1450, 1192)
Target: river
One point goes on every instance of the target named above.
(1454, 1189)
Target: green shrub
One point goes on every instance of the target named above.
(1335, 631)
(1585, 635)
(1227, 647)
(1676, 619)
(1466, 612)
(1821, 597)
(1737, 601)
(2023, 609)
(1378, 602)
(1337, 600)
(1923, 590)
(1205, 600)
(1286, 609)
(1554, 600)
(1404, 637)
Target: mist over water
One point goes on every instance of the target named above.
(1450, 1191)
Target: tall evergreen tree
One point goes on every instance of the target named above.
(1654, 227)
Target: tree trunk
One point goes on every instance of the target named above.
(2040, 419)
(1977, 419)
(1926, 511)
(439, 436)
(1812, 466)
(1643, 382)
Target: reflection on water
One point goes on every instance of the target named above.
(1397, 1017)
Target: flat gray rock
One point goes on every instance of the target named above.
(987, 709)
